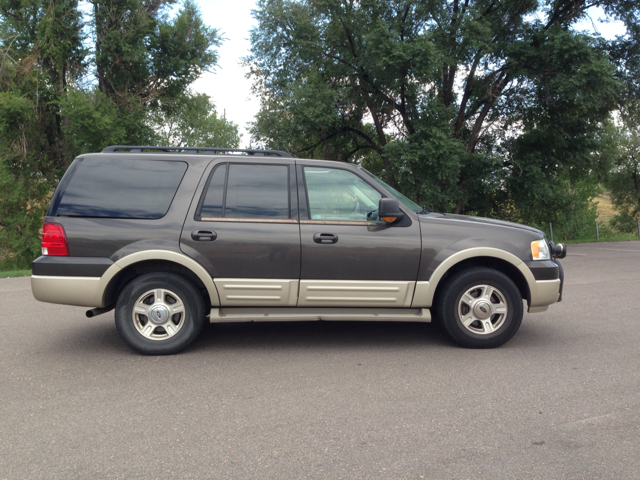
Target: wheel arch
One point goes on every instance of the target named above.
(127, 268)
(500, 260)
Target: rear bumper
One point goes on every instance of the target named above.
(69, 280)
(81, 291)
(70, 266)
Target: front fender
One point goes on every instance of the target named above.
(425, 290)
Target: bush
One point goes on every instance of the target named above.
(624, 223)
(23, 205)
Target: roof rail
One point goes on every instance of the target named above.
(193, 150)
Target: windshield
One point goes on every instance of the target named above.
(414, 207)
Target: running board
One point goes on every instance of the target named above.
(294, 314)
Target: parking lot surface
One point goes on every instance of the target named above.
(331, 400)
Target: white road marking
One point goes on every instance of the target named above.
(614, 249)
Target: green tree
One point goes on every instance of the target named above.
(51, 110)
(623, 152)
(624, 178)
(144, 58)
(468, 106)
(192, 120)
(42, 53)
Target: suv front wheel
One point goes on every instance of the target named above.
(159, 313)
(480, 308)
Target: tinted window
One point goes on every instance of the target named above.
(336, 194)
(212, 205)
(121, 188)
(252, 191)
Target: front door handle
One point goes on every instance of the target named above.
(325, 238)
(204, 235)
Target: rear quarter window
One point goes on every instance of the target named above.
(121, 188)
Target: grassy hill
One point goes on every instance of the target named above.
(605, 208)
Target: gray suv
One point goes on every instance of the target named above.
(170, 236)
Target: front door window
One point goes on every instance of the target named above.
(339, 195)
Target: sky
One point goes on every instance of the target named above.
(227, 85)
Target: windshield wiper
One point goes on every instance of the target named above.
(425, 210)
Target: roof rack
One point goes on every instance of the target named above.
(193, 150)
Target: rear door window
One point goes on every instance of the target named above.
(214, 198)
(121, 188)
(247, 191)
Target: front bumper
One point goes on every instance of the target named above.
(544, 293)
(547, 288)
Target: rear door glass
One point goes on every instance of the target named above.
(250, 191)
(214, 198)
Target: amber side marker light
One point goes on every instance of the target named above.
(389, 219)
(540, 250)
(535, 249)
(54, 240)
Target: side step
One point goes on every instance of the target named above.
(295, 314)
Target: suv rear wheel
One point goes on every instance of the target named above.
(159, 313)
(480, 308)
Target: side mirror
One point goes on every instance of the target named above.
(389, 210)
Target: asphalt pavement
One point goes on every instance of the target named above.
(331, 400)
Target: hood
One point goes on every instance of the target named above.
(489, 221)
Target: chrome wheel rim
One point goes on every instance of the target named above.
(158, 314)
(482, 309)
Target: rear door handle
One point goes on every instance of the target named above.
(204, 235)
(325, 238)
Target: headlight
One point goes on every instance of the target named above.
(540, 250)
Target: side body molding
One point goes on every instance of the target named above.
(170, 256)
(425, 291)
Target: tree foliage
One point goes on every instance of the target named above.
(624, 178)
(622, 150)
(192, 120)
(71, 84)
(487, 107)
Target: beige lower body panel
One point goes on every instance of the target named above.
(243, 314)
(355, 293)
(421, 296)
(80, 291)
(246, 292)
(538, 309)
(543, 294)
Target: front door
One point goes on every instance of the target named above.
(350, 258)
(244, 229)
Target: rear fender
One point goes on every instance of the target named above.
(167, 255)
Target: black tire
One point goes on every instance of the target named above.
(160, 293)
(482, 309)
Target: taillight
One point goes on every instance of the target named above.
(54, 241)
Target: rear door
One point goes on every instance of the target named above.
(244, 229)
(350, 258)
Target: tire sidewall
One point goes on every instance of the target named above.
(453, 292)
(193, 316)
